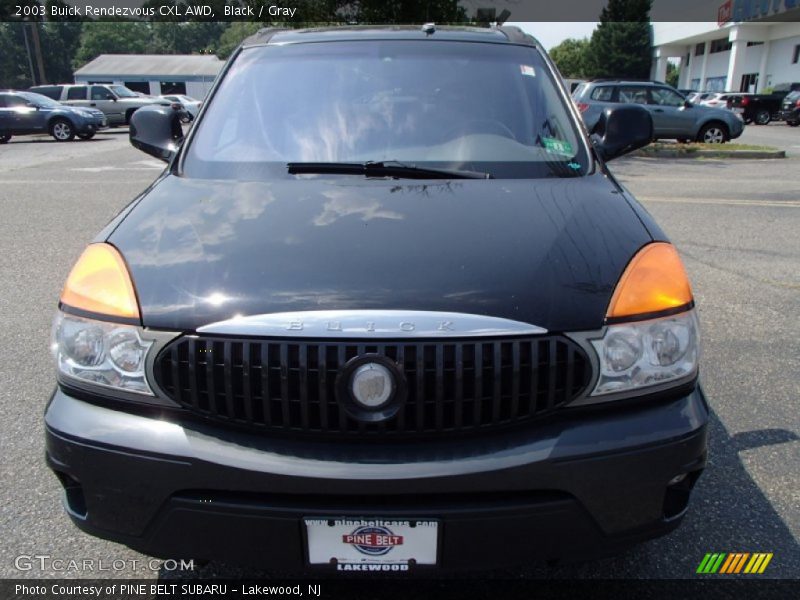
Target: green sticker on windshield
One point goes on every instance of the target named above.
(555, 146)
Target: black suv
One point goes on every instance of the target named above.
(386, 309)
(790, 109)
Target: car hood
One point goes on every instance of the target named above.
(84, 111)
(546, 252)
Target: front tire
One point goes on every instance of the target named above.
(713, 133)
(62, 130)
(4, 138)
(86, 136)
(762, 117)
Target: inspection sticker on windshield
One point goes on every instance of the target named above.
(555, 146)
(527, 70)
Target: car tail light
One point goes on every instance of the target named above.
(797, 104)
(582, 106)
(100, 283)
(654, 281)
(745, 101)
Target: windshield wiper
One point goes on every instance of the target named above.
(382, 169)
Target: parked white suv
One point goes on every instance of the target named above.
(117, 102)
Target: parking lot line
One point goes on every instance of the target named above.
(721, 201)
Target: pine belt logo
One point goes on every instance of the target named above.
(373, 540)
(731, 563)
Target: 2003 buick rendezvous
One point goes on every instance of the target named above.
(386, 309)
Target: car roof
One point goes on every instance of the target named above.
(628, 82)
(497, 35)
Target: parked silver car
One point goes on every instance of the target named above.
(117, 102)
(674, 117)
(189, 105)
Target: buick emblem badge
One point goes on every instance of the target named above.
(372, 385)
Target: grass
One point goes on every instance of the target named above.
(695, 146)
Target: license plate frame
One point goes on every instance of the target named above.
(418, 547)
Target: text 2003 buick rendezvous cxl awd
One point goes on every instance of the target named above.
(386, 309)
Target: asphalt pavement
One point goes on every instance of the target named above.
(735, 223)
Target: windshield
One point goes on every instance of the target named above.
(122, 91)
(40, 100)
(491, 108)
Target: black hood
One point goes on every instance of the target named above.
(547, 252)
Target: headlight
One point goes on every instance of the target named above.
(647, 353)
(108, 354)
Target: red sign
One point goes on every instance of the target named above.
(373, 540)
(725, 12)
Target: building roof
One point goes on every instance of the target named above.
(156, 65)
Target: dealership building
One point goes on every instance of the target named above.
(154, 74)
(749, 47)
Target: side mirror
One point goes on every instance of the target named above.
(687, 104)
(157, 131)
(622, 129)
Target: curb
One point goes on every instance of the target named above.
(710, 153)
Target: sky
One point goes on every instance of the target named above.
(553, 33)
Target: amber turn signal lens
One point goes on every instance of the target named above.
(654, 281)
(100, 283)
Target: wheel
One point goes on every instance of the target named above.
(762, 117)
(4, 138)
(62, 130)
(713, 133)
(86, 136)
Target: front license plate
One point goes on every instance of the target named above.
(372, 544)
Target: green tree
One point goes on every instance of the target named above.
(15, 67)
(112, 37)
(234, 35)
(621, 44)
(673, 73)
(570, 57)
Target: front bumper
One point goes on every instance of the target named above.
(790, 115)
(91, 126)
(579, 486)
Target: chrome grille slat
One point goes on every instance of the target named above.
(453, 386)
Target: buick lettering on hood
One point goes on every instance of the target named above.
(385, 310)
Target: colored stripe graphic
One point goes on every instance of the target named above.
(734, 562)
(728, 563)
(767, 558)
(711, 562)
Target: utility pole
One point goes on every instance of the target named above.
(37, 49)
(28, 52)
